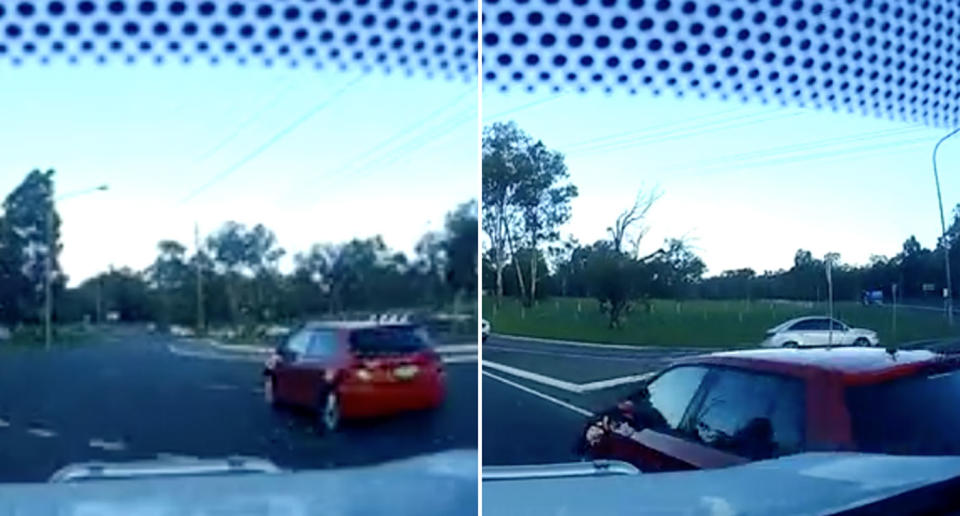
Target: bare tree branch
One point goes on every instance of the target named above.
(630, 218)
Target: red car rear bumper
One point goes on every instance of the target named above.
(365, 400)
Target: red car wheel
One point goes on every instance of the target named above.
(328, 412)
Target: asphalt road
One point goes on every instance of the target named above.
(130, 395)
(538, 394)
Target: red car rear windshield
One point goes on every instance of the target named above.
(913, 416)
(388, 339)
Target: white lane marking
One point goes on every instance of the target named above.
(41, 432)
(4, 424)
(107, 445)
(534, 377)
(221, 387)
(603, 346)
(211, 356)
(459, 359)
(578, 388)
(639, 358)
(175, 457)
(564, 404)
(456, 348)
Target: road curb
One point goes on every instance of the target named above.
(609, 346)
(245, 348)
(464, 347)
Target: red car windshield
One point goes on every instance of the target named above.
(388, 340)
(912, 416)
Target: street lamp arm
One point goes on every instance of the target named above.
(78, 193)
(943, 229)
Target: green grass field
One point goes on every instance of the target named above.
(714, 324)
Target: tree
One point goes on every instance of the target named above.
(25, 246)
(245, 254)
(170, 277)
(123, 291)
(524, 199)
(676, 268)
(561, 256)
(631, 218)
(544, 203)
(460, 250)
(614, 279)
(502, 164)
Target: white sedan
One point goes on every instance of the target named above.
(815, 331)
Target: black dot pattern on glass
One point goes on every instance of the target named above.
(888, 58)
(407, 36)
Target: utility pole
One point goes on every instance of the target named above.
(948, 293)
(48, 281)
(893, 289)
(99, 299)
(829, 264)
(196, 241)
(48, 262)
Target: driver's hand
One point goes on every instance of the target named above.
(597, 431)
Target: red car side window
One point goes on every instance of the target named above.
(298, 343)
(753, 415)
(323, 344)
(671, 393)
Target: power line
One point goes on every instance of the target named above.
(280, 95)
(710, 128)
(405, 132)
(814, 157)
(522, 107)
(658, 133)
(781, 151)
(273, 140)
(437, 134)
(649, 130)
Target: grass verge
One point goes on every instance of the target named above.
(701, 323)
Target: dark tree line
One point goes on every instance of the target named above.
(618, 279)
(238, 269)
(918, 273)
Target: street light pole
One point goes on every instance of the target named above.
(943, 228)
(48, 283)
(48, 265)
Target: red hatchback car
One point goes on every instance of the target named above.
(729, 408)
(346, 370)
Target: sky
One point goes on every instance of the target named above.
(315, 155)
(746, 184)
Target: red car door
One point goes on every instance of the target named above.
(697, 417)
(639, 431)
(316, 369)
(287, 368)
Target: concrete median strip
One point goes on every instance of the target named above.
(577, 388)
